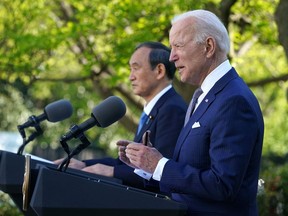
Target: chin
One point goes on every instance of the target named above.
(183, 79)
(137, 93)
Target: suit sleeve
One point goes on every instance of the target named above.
(230, 135)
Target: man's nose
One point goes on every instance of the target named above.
(131, 76)
(173, 56)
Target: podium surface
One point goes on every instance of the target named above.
(75, 192)
(60, 193)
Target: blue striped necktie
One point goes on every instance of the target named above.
(142, 121)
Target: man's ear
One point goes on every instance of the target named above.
(210, 47)
(161, 71)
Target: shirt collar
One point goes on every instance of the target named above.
(148, 107)
(214, 76)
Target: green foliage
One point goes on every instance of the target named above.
(7, 207)
(254, 19)
(11, 100)
(274, 199)
(272, 97)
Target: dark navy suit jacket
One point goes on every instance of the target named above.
(165, 123)
(215, 166)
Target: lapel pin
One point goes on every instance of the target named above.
(150, 117)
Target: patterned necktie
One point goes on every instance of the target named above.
(192, 104)
(142, 121)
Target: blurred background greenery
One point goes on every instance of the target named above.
(79, 50)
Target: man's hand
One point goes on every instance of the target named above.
(139, 155)
(100, 169)
(142, 157)
(75, 164)
(122, 144)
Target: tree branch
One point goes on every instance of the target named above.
(281, 17)
(264, 82)
(65, 80)
(225, 9)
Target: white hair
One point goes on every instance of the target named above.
(207, 24)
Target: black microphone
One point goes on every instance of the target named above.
(53, 112)
(106, 113)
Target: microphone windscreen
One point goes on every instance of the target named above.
(58, 110)
(109, 111)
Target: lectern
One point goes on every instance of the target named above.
(11, 178)
(61, 193)
(12, 167)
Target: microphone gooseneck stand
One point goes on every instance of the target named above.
(63, 140)
(38, 132)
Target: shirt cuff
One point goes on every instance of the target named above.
(157, 175)
(143, 174)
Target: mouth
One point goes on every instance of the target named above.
(180, 68)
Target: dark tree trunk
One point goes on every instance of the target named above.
(281, 17)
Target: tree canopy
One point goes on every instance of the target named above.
(79, 50)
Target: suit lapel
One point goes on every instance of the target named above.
(202, 108)
(153, 114)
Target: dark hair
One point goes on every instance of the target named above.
(159, 54)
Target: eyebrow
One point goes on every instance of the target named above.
(133, 64)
